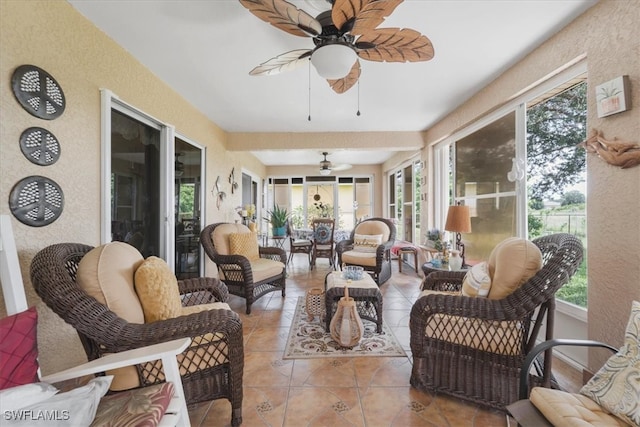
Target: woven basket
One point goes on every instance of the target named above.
(315, 303)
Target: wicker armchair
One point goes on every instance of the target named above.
(248, 279)
(323, 242)
(378, 263)
(493, 336)
(211, 368)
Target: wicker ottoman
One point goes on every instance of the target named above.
(365, 292)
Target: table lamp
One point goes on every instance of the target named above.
(459, 221)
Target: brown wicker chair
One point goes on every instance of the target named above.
(298, 246)
(477, 372)
(236, 270)
(101, 331)
(323, 243)
(379, 263)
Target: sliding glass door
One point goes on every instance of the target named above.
(135, 185)
(152, 191)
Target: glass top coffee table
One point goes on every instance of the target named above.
(428, 268)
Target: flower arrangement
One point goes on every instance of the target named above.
(436, 239)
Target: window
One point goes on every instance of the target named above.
(404, 201)
(347, 199)
(520, 171)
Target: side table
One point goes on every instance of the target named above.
(428, 268)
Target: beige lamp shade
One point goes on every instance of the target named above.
(458, 219)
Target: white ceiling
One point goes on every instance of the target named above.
(204, 50)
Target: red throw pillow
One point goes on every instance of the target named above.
(19, 349)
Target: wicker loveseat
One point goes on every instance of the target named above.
(245, 277)
(211, 367)
(473, 347)
(376, 261)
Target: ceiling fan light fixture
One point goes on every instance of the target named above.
(325, 171)
(333, 61)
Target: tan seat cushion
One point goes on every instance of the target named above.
(367, 259)
(511, 263)
(616, 386)
(107, 274)
(373, 227)
(157, 289)
(264, 268)
(500, 337)
(571, 409)
(245, 244)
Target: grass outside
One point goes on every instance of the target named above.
(570, 219)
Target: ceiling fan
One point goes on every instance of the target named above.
(326, 167)
(340, 35)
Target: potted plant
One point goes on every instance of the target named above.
(278, 218)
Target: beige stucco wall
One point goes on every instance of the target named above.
(56, 38)
(609, 35)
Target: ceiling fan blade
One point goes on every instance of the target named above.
(285, 16)
(286, 62)
(361, 16)
(344, 84)
(341, 167)
(395, 45)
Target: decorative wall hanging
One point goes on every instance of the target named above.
(614, 152)
(36, 201)
(613, 96)
(38, 92)
(218, 193)
(232, 180)
(40, 146)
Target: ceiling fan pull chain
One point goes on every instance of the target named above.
(358, 113)
(309, 117)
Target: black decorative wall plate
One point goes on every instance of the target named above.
(36, 201)
(38, 92)
(40, 146)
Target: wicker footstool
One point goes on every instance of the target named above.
(365, 292)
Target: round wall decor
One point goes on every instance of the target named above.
(36, 201)
(38, 92)
(40, 146)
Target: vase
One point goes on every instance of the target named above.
(346, 327)
(279, 231)
(455, 260)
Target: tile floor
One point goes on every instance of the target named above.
(367, 392)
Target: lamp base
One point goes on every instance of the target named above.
(460, 247)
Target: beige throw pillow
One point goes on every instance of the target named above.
(616, 386)
(511, 263)
(106, 273)
(245, 244)
(477, 281)
(366, 242)
(157, 289)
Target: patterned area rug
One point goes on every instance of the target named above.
(309, 340)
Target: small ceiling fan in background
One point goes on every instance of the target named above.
(340, 35)
(326, 166)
